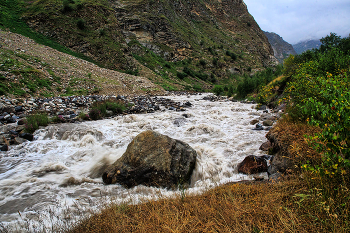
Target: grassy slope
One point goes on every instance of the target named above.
(11, 18)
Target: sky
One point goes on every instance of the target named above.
(298, 20)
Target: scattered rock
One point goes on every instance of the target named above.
(258, 127)
(153, 159)
(253, 122)
(253, 164)
(27, 136)
(262, 107)
(4, 148)
(266, 146)
(267, 123)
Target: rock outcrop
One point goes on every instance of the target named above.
(281, 48)
(153, 159)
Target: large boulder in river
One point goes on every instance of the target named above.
(153, 159)
(253, 164)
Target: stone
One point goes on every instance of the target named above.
(253, 164)
(153, 159)
(266, 146)
(19, 109)
(262, 107)
(27, 136)
(4, 148)
(253, 122)
(279, 163)
(267, 123)
(258, 127)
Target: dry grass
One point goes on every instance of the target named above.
(247, 207)
(291, 138)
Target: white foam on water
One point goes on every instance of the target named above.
(57, 178)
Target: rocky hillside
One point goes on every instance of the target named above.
(281, 48)
(306, 45)
(177, 44)
(28, 68)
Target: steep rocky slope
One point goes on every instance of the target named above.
(179, 44)
(281, 48)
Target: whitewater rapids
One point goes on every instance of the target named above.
(57, 178)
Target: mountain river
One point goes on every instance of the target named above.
(56, 179)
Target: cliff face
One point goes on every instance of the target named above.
(281, 48)
(158, 38)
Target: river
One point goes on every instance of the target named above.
(56, 179)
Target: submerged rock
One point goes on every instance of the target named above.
(253, 164)
(153, 159)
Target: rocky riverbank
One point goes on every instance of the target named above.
(13, 111)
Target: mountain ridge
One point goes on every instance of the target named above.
(281, 48)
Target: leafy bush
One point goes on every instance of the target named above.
(99, 109)
(218, 90)
(33, 122)
(81, 24)
(95, 114)
(318, 93)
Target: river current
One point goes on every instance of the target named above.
(56, 179)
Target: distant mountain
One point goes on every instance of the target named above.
(306, 45)
(281, 48)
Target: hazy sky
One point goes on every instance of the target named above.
(297, 20)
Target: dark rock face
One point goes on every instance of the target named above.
(281, 48)
(281, 161)
(153, 159)
(253, 164)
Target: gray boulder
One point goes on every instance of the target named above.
(153, 159)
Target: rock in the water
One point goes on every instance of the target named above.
(153, 159)
(253, 164)
(253, 122)
(4, 148)
(268, 123)
(27, 136)
(258, 127)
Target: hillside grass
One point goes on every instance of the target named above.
(11, 19)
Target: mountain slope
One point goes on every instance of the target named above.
(303, 46)
(28, 68)
(281, 48)
(182, 43)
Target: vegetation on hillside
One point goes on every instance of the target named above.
(177, 49)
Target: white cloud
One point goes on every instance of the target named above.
(297, 20)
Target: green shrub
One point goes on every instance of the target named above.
(95, 114)
(318, 93)
(99, 108)
(218, 90)
(33, 122)
(181, 75)
(81, 24)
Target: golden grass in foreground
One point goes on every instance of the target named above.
(291, 205)
(263, 207)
